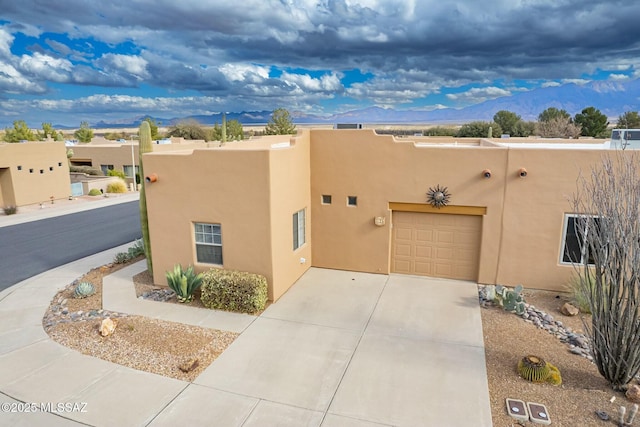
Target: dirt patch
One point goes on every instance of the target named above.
(508, 338)
(150, 345)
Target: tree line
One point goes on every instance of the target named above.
(280, 123)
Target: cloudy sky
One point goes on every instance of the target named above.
(67, 61)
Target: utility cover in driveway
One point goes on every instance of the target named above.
(438, 245)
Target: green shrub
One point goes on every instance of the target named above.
(579, 296)
(10, 210)
(184, 282)
(95, 192)
(117, 187)
(89, 170)
(234, 291)
(118, 173)
(137, 249)
(132, 252)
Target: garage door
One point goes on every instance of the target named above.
(439, 245)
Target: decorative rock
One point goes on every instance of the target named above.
(108, 326)
(189, 365)
(569, 309)
(602, 415)
(576, 350)
(633, 393)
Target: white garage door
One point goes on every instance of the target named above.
(439, 245)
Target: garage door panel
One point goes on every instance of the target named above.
(440, 245)
(424, 235)
(402, 266)
(422, 268)
(424, 251)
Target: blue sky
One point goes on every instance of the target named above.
(75, 60)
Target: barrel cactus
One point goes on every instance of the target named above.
(84, 289)
(535, 369)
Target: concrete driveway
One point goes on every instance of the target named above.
(351, 349)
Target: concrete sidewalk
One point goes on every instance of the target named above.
(338, 349)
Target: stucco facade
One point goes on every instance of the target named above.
(364, 198)
(33, 172)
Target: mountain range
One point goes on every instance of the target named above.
(610, 97)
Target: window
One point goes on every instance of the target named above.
(19, 168)
(326, 199)
(30, 170)
(106, 168)
(50, 168)
(127, 169)
(298, 229)
(352, 201)
(576, 228)
(208, 243)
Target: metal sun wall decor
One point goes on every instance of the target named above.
(438, 196)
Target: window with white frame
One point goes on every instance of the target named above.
(576, 230)
(298, 229)
(128, 169)
(208, 243)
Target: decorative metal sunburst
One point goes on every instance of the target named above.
(438, 196)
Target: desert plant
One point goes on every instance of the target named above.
(89, 170)
(121, 258)
(137, 249)
(537, 370)
(609, 264)
(145, 146)
(234, 290)
(10, 210)
(184, 282)
(509, 299)
(84, 289)
(95, 192)
(116, 172)
(579, 293)
(117, 187)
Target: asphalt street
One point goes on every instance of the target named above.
(34, 247)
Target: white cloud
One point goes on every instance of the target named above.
(479, 94)
(579, 82)
(44, 67)
(618, 77)
(326, 83)
(133, 65)
(249, 73)
(550, 84)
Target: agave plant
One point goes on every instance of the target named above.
(184, 282)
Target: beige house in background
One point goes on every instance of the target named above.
(33, 172)
(355, 200)
(105, 155)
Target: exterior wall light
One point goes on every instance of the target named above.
(151, 178)
(379, 221)
(486, 173)
(522, 173)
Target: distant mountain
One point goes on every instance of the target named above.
(611, 98)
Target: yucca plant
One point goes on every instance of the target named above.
(184, 282)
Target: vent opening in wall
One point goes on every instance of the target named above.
(352, 200)
(30, 170)
(326, 199)
(41, 170)
(51, 168)
(19, 168)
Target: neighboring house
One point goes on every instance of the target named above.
(33, 172)
(355, 200)
(105, 155)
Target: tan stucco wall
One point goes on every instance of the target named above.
(253, 189)
(290, 192)
(522, 230)
(44, 173)
(119, 155)
(250, 190)
(534, 214)
(379, 170)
